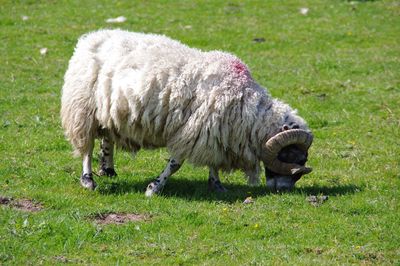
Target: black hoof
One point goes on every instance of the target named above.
(216, 186)
(110, 172)
(88, 182)
(220, 189)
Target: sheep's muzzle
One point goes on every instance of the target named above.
(298, 137)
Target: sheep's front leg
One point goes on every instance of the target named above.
(156, 186)
(87, 175)
(253, 176)
(213, 181)
(107, 157)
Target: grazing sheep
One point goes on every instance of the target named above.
(137, 90)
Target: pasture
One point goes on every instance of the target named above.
(337, 62)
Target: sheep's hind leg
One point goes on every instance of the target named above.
(87, 175)
(156, 186)
(213, 181)
(107, 157)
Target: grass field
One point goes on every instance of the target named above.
(339, 65)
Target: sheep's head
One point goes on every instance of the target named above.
(285, 158)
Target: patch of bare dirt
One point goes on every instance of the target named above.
(63, 259)
(317, 250)
(120, 218)
(5, 200)
(28, 205)
(22, 204)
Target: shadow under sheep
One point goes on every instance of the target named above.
(198, 190)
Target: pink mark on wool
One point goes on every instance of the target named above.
(241, 70)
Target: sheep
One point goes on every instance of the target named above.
(136, 90)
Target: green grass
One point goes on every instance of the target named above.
(339, 66)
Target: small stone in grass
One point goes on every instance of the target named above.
(248, 200)
(259, 40)
(119, 19)
(43, 51)
(317, 200)
(304, 10)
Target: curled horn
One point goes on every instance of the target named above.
(299, 137)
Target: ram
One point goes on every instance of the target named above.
(135, 90)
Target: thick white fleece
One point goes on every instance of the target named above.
(150, 91)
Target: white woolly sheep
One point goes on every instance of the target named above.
(139, 90)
